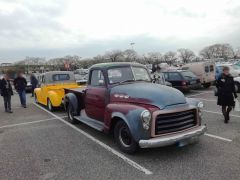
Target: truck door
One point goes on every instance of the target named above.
(95, 96)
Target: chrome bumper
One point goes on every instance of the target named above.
(172, 139)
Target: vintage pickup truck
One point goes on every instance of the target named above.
(121, 99)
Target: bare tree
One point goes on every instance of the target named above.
(186, 55)
(130, 55)
(224, 51)
(114, 55)
(170, 57)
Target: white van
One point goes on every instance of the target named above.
(205, 71)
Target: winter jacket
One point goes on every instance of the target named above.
(6, 88)
(20, 83)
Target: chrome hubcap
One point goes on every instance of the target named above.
(125, 136)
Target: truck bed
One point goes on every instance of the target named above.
(79, 90)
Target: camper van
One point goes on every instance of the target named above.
(205, 71)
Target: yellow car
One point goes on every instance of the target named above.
(51, 91)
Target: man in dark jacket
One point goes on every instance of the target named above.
(6, 93)
(20, 84)
(34, 83)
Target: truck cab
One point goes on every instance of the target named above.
(121, 99)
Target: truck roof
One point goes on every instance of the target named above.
(115, 64)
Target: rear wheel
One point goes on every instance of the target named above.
(124, 139)
(206, 85)
(70, 113)
(49, 104)
(35, 98)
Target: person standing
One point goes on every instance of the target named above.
(34, 83)
(20, 84)
(226, 93)
(6, 93)
(158, 77)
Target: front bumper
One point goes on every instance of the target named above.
(173, 139)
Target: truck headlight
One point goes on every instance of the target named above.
(146, 118)
(200, 106)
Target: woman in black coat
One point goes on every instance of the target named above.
(226, 93)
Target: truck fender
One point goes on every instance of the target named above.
(71, 98)
(54, 98)
(132, 117)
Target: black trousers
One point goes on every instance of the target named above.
(7, 102)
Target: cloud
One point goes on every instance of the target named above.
(87, 28)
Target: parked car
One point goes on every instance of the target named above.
(29, 85)
(237, 84)
(182, 79)
(205, 71)
(121, 99)
(51, 88)
(234, 69)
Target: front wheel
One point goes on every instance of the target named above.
(124, 139)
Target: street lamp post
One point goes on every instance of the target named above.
(132, 44)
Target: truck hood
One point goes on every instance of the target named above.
(147, 93)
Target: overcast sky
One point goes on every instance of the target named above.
(54, 28)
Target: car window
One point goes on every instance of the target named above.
(206, 69)
(116, 75)
(174, 76)
(211, 68)
(165, 75)
(61, 77)
(188, 74)
(97, 78)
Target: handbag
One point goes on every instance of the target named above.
(237, 105)
(215, 91)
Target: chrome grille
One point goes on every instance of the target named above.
(174, 122)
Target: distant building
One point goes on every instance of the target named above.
(5, 64)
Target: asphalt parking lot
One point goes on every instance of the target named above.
(37, 144)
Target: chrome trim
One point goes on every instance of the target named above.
(172, 139)
(168, 111)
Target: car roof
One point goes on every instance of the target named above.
(115, 64)
(177, 70)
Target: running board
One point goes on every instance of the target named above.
(91, 122)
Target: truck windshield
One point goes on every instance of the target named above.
(126, 74)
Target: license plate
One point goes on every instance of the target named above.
(193, 82)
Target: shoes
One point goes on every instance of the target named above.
(24, 106)
(8, 111)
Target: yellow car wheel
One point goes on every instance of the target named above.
(49, 105)
(35, 98)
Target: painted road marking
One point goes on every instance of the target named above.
(198, 94)
(25, 123)
(217, 137)
(214, 112)
(209, 100)
(108, 148)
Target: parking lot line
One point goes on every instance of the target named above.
(25, 123)
(198, 94)
(218, 137)
(108, 148)
(209, 100)
(215, 112)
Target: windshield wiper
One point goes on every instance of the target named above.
(129, 80)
